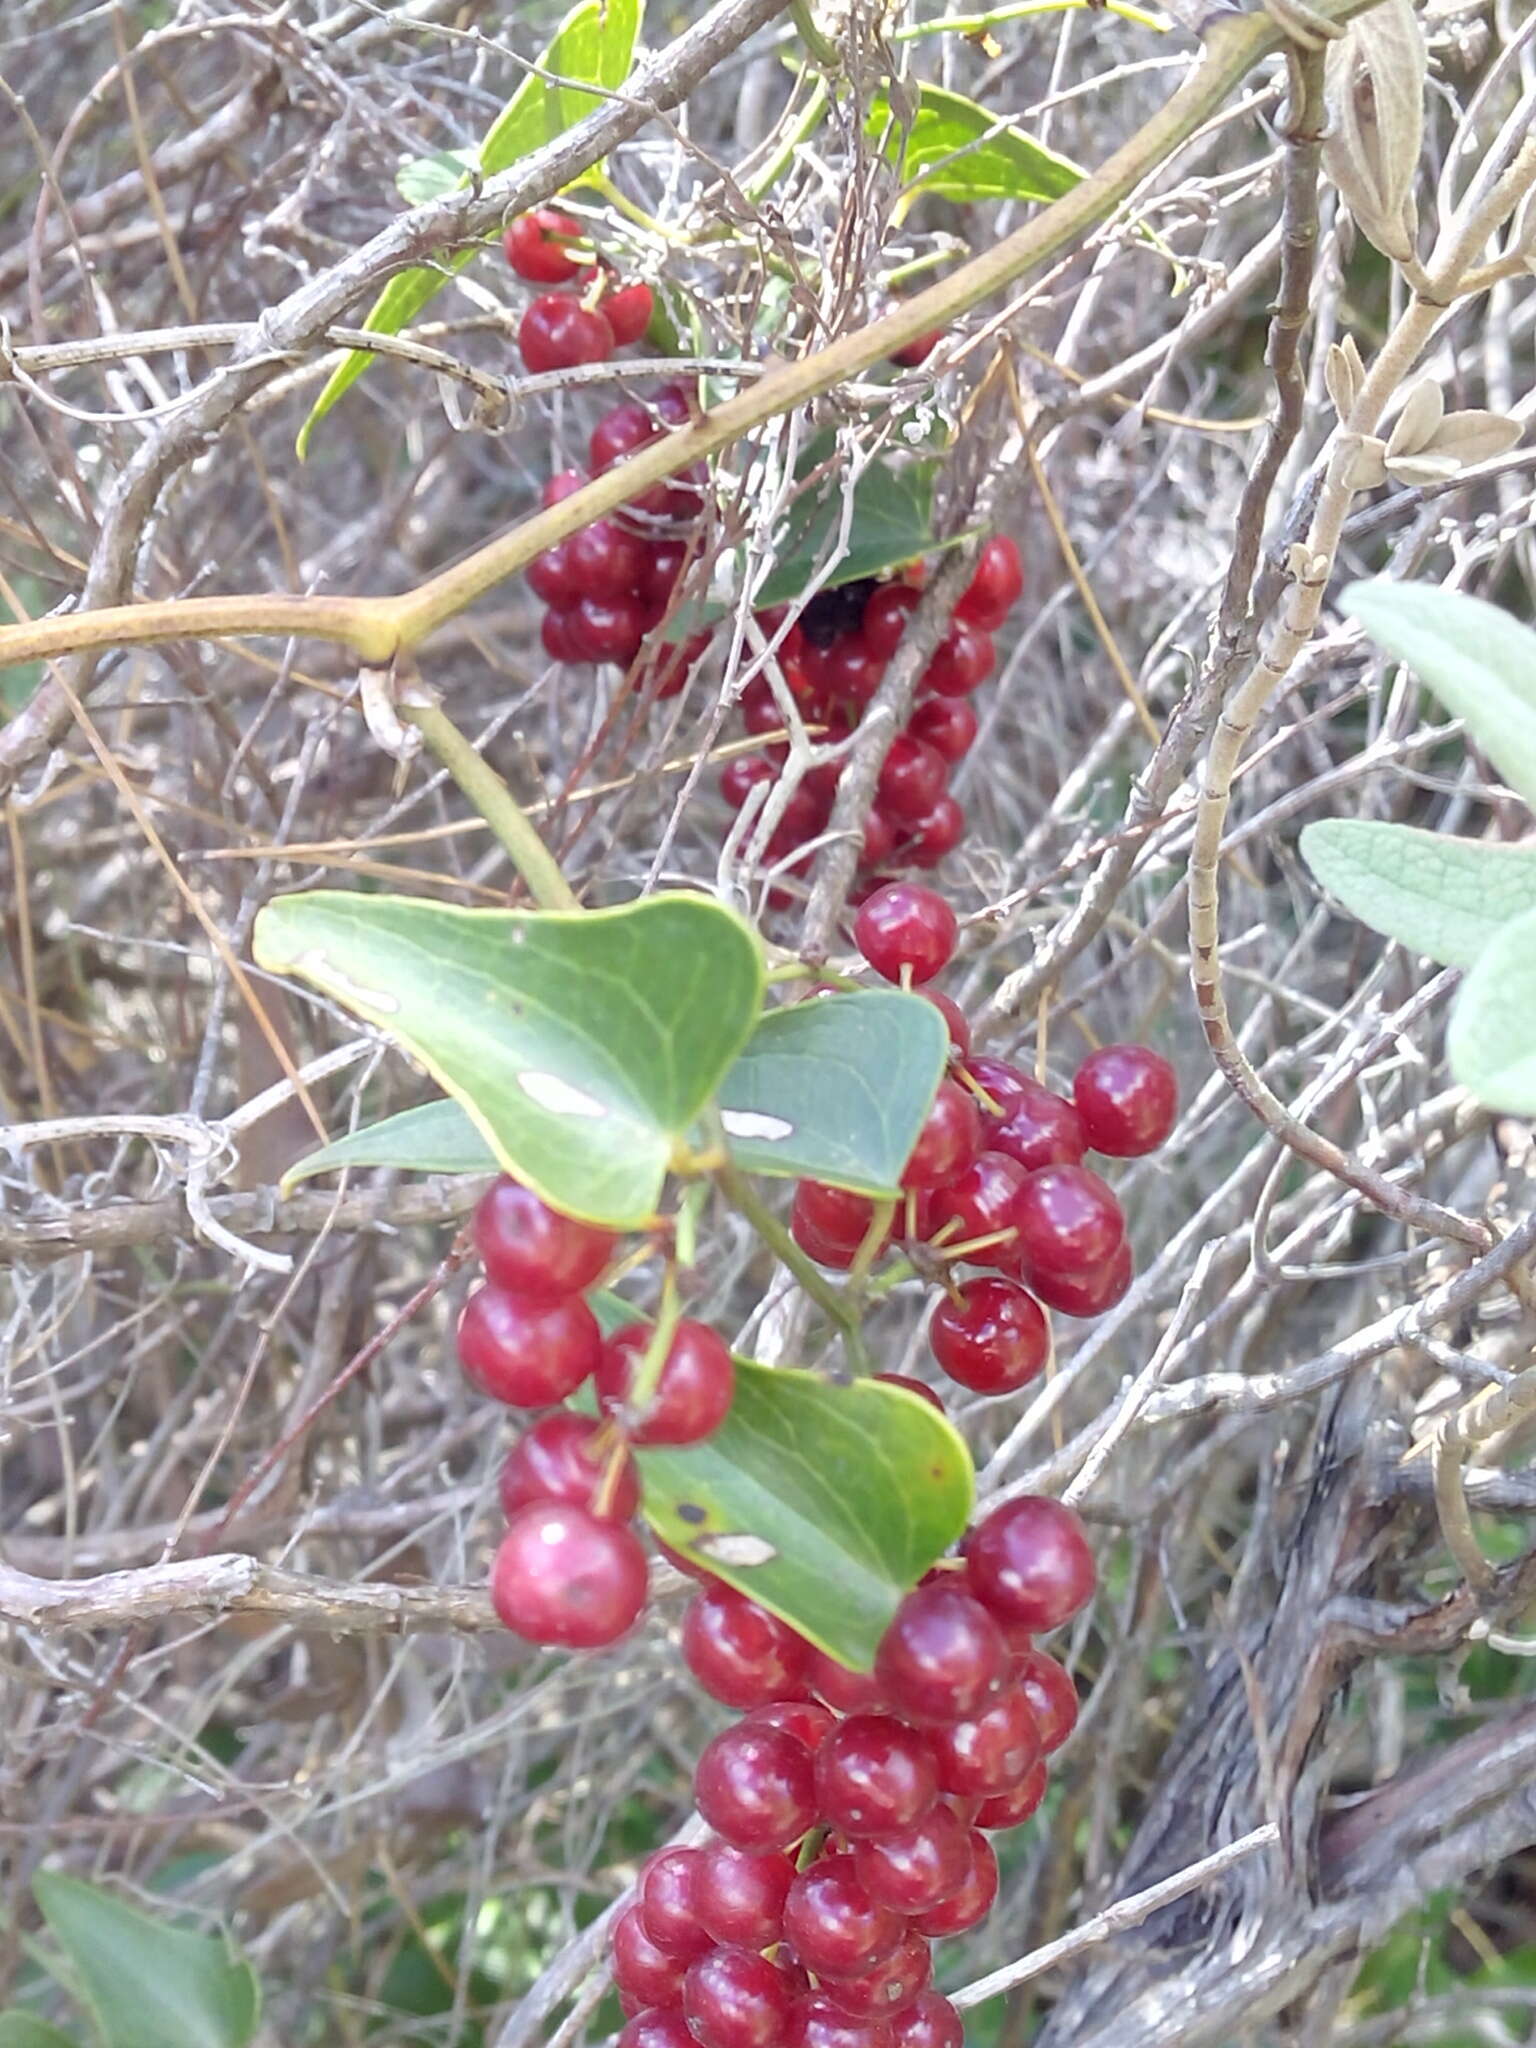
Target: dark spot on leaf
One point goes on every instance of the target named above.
(689, 1511)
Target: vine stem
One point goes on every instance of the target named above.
(744, 1199)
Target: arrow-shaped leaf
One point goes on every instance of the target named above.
(1443, 896)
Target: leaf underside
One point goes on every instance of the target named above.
(1445, 897)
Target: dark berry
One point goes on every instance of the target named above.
(755, 1785)
(739, 1652)
(834, 1926)
(980, 1205)
(849, 1692)
(529, 1354)
(886, 613)
(962, 659)
(995, 588)
(557, 636)
(535, 246)
(992, 1750)
(644, 1974)
(1086, 1294)
(918, 1866)
(534, 1250)
(942, 1655)
(1050, 1692)
(889, 1987)
(733, 1998)
(874, 1774)
(905, 927)
(1012, 1808)
(557, 332)
(956, 1022)
(1128, 1099)
(969, 1905)
(947, 724)
(1029, 1563)
(949, 1141)
(1040, 1129)
(740, 1896)
(628, 312)
(607, 560)
(608, 628)
(930, 839)
(991, 1336)
(919, 1387)
(1067, 1220)
(912, 779)
(657, 2027)
(668, 1908)
(573, 1458)
(804, 1719)
(928, 2022)
(912, 354)
(566, 1579)
(693, 1394)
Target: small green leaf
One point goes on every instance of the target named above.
(999, 161)
(583, 1045)
(1492, 1035)
(1443, 896)
(1477, 660)
(836, 1088)
(438, 1137)
(594, 45)
(21, 2030)
(429, 177)
(149, 1985)
(891, 521)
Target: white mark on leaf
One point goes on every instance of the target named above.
(752, 1123)
(319, 967)
(560, 1097)
(738, 1551)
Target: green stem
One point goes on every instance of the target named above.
(821, 50)
(664, 1329)
(495, 803)
(744, 1199)
(975, 24)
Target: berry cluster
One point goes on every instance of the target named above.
(570, 1570)
(851, 1811)
(586, 324)
(996, 1178)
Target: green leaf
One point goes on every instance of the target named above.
(21, 2030)
(999, 160)
(1443, 896)
(436, 1138)
(1492, 1034)
(149, 1985)
(836, 1088)
(1477, 660)
(584, 1045)
(594, 45)
(891, 521)
(429, 177)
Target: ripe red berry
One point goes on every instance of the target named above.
(1028, 1561)
(644, 1974)
(535, 246)
(912, 1386)
(886, 612)
(573, 1458)
(755, 1785)
(529, 1354)
(905, 926)
(628, 312)
(917, 1866)
(556, 333)
(693, 1394)
(942, 1655)
(607, 560)
(912, 354)
(1003, 1084)
(970, 1904)
(995, 588)
(912, 779)
(559, 641)
(565, 1579)
(551, 576)
(1012, 1808)
(949, 1141)
(802, 1718)
(816, 2022)
(874, 1774)
(1128, 1099)
(962, 659)
(833, 1218)
(668, 1907)
(534, 1250)
(931, 838)
(956, 1023)
(741, 775)
(992, 1337)
(1086, 1294)
(1040, 1129)
(562, 485)
(889, 1987)
(1050, 1692)
(1068, 1222)
(740, 1896)
(879, 840)
(848, 1692)
(992, 1750)
(621, 430)
(738, 1651)
(980, 1205)
(834, 1926)
(928, 2022)
(947, 724)
(733, 1998)
(608, 628)
(657, 2027)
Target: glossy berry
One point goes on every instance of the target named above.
(816, 2022)
(970, 1904)
(848, 1692)
(628, 312)
(956, 1023)
(874, 1774)
(1086, 1294)
(644, 1974)
(915, 1867)
(1040, 1129)
(992, 1751)
(942, 1655)
(557, 332)
(1002, 1083)
(889, 1987)
(805, 1719)
(1051, 1693)
(1068, 1221)
(992, 1336)
(928, 2022)
(552, 577)
(693, 1394)
(912, 354)
(947, 724)
(835, 1213)
(886, 612)
(755, 1785)
(571, 1458)
(740, 776)
(535, 246)
(557, 638)
(962, 659)
(980, 1205)
(657, 2027)
(607, 560)
(562, 485)
(739, 1896)
(534, 1250)
(1012, 1808)
(624, 428)
(832, 1923)
(739, 1652)
(733, 1998)
(912, 778)
(919, 1387)
(529, 1354)
(566, 1579)
(879, 841)
(904, 926)
(608, 628)
(930, 839)
(668, 1907)
(1128, 1099)
(996, 586)
(949, 1141)
(1029, 1563)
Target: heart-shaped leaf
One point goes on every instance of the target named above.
(958, 150)
(148, 1985)
(1492, 1035)
(1443, 896)
(583, 1045)
(437, 1137)
(890, 521)
(21, 2030)
(1477, 659)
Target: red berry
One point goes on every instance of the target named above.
(971, 1904)
(1040, 1129)
(556, 333)
(991, 1751)
(535, 246)
(657, 2027)
(847, 672)
(835, 1927)
(955, 1020)
(906, 926)
(529, 1354)
(911, 354)
(928, 2022)
(912, 778)
(992, 1338)
(1128, 1099)
(628, 312)
(1004, 1084)
(874, 1774)
(889, 1987)
(735, 1999)
(741, 775)
(608, 628)
(739, 1896)
(1050, 1692)
(912, 1386)
(962, 659)
(804, 1719)
(879, 840)
(624, 428)
(980, 1204)
(1068, 1222)
(566, 1579)
(1086, 1294)
(573, 1458)
(833, 1216)
(848, 1692)
(947, 724)
(942, 1655)
(918, 1866)
(1012, 1808)
(995, 588)
(759, 708)
(886, 612)
(551, 576)
(949, 1141)
(559, 639)
(1028, 1561)
(644, 1974)
(755, 1785)
(668, 1908)
(934, 836)
(534, 1250)
(817, 2023)
(607, 560)
(562, 485)
(693, 1394)
(738, 1651)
